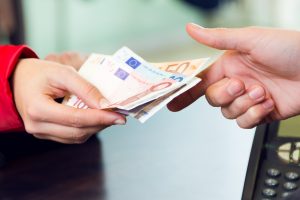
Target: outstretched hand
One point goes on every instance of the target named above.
(256, 80)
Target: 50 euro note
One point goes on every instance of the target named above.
(132, 85)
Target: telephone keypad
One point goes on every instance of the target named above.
(278, 183)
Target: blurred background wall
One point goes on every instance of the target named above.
(153, 28)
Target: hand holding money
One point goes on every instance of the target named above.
(37, 83)
(135, 87)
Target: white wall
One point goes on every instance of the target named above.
(105, 25)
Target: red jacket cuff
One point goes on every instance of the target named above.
(9, 57)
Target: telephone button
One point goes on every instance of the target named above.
(286, 194)
(273, 172)
(271, 182)
(268, 192)
(290, 186)
(292, 176)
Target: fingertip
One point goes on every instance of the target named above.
(120, 121)
(256, 114)
(257, 93)
(224, 92)
(180, 102)
(193, 26)
(110, 117)
(268, 104)
(172, 107)
(197, 32)
(235, 87)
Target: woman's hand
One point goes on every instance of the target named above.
(73, 59)
(37, 83)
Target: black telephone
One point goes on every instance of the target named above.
(274, 165)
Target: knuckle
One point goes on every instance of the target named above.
(252, 118)
(238, 106)
(68, 70)
(30, 128)
(69, 54)
(90, 89)
(254, 114)
(243, 125)
(216, 41)
(66, 54)
(79, 136)
(75, 120)
(212, 98)
(33, 113)
(227, 113)
(51, 57)
(66, 57)
(104, 119)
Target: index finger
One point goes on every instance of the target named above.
(74, 117)
(186, 98)
(209, 76)
(72, 82)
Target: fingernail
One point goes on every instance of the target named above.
(269, 104)
(196, 25)
(119, 122)
(256, 93)
(234, 88)
(104, 103)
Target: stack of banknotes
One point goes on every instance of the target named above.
(135, 87)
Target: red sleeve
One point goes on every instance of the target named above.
(9, 56)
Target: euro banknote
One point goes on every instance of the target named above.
(134, 86)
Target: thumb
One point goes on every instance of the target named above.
(223, 38)
(77, 85)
